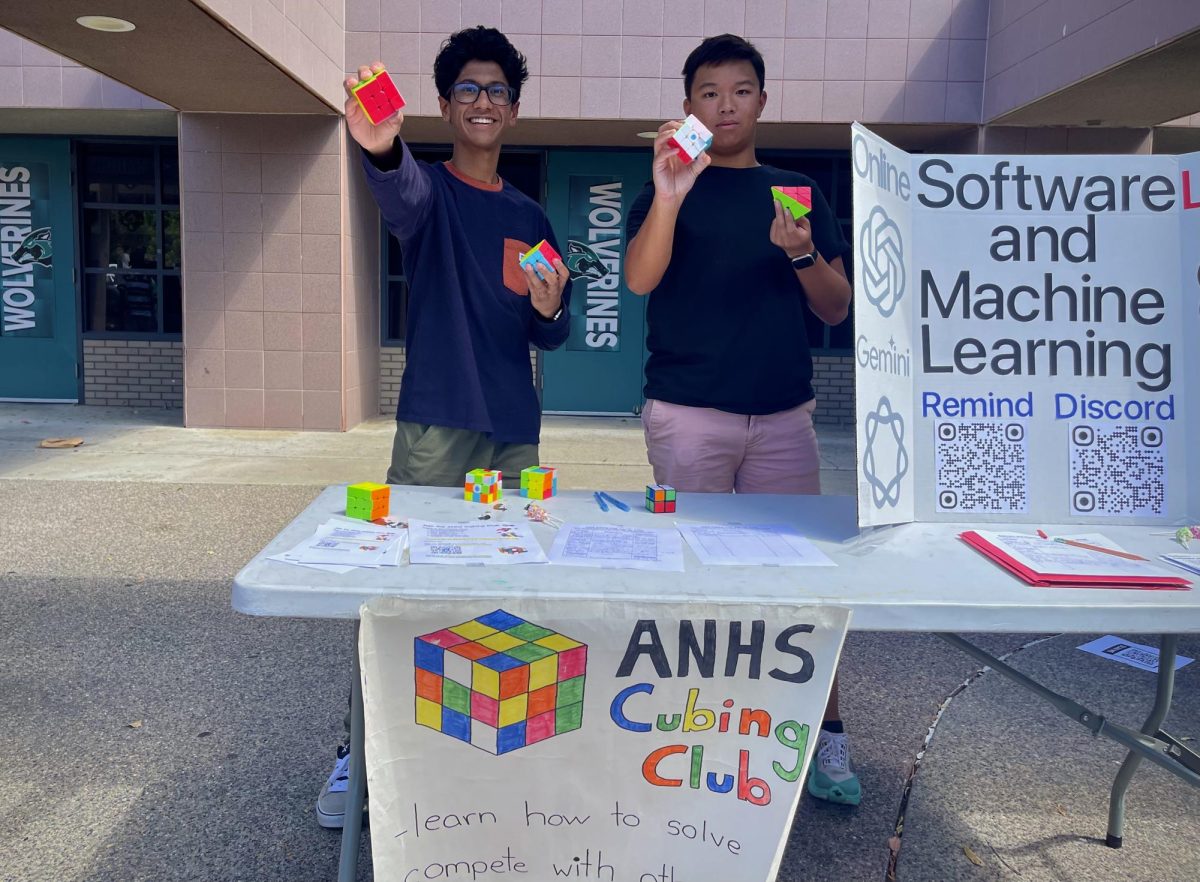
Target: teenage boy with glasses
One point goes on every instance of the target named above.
(467, 398)
(730, 275)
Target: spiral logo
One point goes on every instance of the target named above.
(881, 253)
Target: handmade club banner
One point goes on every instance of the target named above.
(1026, 333)
(582, 739)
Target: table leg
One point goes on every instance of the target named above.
(357, 787)
(1168, 646)
(1150, 743)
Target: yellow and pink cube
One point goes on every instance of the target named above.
(539, 482)
(499, 682)
(367, 501)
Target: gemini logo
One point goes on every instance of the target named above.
(885, 458)
(881, 252)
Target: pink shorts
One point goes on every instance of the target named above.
(701, 450)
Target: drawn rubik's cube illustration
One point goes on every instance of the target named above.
(797, 200)
(691, 139)
(539, 482)
(660, 498)
(483, 485)
(499, 682)
(367, 501)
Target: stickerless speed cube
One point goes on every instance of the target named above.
(367, 501)
(660, 498)
(539, 482)
(499, 682)
(378, 97)
(540, 255)
(483, 485)
(691, 139)
(797, 200)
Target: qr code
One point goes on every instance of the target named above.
(445, 549)
(1118, 469)
(1141, 657)
(982, 466)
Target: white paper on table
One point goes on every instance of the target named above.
(752, 545)
(344, 543)
(1136, 655)
(627, 548)
(473, 542)
(1189, 562)
(328, 568)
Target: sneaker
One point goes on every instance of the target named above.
(331, 803)
(831, 776)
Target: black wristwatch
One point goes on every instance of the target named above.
(804, 261)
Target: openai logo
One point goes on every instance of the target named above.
(885, 458)
(881, 253)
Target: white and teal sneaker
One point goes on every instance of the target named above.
(831, 776)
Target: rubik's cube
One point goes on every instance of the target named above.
(367, 501)
(378, 96)
(797, 200)
(660, 498)
(691, 139)
(483, 485)
(499, 682)
(539, 482)
(540, 255)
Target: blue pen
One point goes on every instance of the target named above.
(600, 501)
(618, 503)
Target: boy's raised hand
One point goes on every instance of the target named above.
(672, 178)
(374, 139)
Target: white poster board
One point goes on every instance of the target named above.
(583, 739)
(1027, 333)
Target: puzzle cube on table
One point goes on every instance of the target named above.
(797, 200)
(483, 485)
(660, 498)
(691, 139)
(378, 96)
(539, 482)
(540, 255)
(499, 682)
(367, 501)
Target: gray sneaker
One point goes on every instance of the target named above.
(331, 803)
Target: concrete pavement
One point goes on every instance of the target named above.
(115, 565)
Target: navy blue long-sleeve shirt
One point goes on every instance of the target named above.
(470, 319)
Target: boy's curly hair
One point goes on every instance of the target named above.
(478, 44)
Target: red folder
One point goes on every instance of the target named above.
(1060, 580)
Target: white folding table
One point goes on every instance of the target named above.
(914, 577)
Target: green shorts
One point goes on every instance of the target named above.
(438, 456)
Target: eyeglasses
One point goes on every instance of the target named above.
(467, 92)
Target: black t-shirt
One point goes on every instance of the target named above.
(726, 323)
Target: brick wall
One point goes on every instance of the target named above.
(833, 380)
(133, 373)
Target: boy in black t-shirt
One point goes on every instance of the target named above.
(729, 396)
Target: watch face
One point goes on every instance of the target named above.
(804, 261)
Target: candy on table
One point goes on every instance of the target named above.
(691, 139)
(482, 485)
(378, 96)
(499, 682)
(367, 501)
(540, 255)
(797, 200)
(1186, 534)
(660, 498)
(539, 515)
(539, 482)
